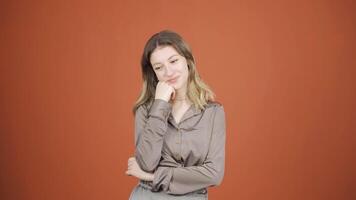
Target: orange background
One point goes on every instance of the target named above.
(284, 70)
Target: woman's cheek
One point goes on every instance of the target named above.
(159, 77)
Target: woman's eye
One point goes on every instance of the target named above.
(173, 61)
(157, 68)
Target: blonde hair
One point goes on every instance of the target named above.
(198, 92)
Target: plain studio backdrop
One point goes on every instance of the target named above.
(284, 71)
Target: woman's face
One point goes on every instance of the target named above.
(169, 66)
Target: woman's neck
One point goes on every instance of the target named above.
(181, 97)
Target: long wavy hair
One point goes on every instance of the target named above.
(198, 92)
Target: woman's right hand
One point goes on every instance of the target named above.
(164, 91)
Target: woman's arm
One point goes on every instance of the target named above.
(150, 127)
(182, 180)
(134, 170)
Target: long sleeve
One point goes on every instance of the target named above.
(182, 180)
(150, 127)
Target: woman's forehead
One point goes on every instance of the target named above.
(161, 54)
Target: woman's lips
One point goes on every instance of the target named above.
(173, 80)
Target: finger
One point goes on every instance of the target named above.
(174, 94)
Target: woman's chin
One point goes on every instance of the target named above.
(176, 87)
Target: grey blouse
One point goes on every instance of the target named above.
(184, 157)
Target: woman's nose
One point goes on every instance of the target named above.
(168, 71)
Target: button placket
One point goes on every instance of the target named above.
(179, 142)
(178, 137)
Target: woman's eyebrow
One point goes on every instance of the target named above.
(167, 59)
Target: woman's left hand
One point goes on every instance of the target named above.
(134, 169)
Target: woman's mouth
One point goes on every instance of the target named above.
(173, 80)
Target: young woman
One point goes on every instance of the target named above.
(179, 129)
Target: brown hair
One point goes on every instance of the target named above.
(198, 92)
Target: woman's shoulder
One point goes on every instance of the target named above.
(143, 108)
(215, 107)
(213, 104)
